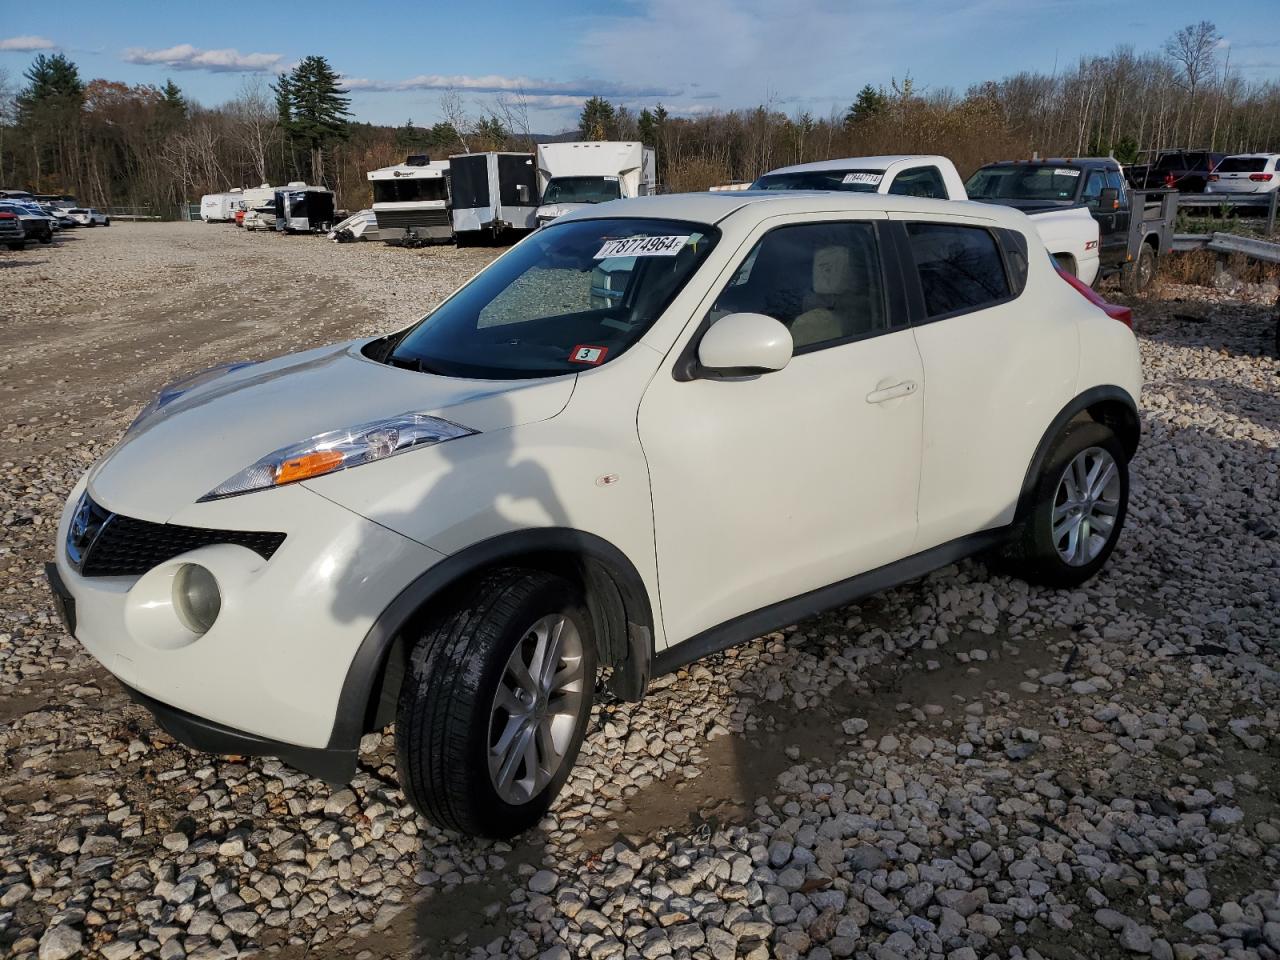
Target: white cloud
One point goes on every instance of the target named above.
(27, 44)
(184, 56)
(576, 91)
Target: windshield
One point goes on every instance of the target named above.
(1024, 182)
(413, 190)
(1243, 165)
(570, 297)
(850, 181)
(582, 190)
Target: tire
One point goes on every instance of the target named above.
(106, 222)
(20, 245)
(1138, 276)
(92, 223)
(1034, 553)
(450, 721)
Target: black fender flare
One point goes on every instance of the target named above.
(1078, 405)
(632, 664)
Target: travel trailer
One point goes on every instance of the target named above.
(303, 209)
(493, 192)
(411, 200)
(220, 207)
(252, 197)
(572, 175)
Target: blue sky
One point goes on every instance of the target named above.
(693, 55)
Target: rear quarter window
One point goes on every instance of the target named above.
(961, 268)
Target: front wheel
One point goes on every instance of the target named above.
(1080, 501)
(1138, 275)
(106, 222)
(495, 702)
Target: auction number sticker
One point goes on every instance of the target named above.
(870, 179)
(585, 353)
(1065, 172)
(642, 247)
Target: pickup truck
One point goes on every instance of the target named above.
(1134, 227)
(1069, 233)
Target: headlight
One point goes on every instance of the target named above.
(338, 450)
(183, 385)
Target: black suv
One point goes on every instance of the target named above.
(1186, 171)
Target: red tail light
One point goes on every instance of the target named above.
(1113, 310)
(1213, 178)
(8, 216)
(1261, 177)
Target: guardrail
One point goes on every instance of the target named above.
(1208, 201)
(1228, 243)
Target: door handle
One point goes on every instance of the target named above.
(903, 389)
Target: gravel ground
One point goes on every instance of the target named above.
(963, 767)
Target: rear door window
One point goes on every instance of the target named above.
(960, 268)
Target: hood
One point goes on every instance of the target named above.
(550, 211)
(1029, 206)
(180, 452)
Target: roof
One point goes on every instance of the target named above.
(717, 207)
(862, 163)
(1059, 160)
(403, 171)
(1251, 156)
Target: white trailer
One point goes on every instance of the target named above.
(219, 207)
(493, 192)
(573, 175)
(411, 200)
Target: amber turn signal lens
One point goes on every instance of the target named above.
(308, 465)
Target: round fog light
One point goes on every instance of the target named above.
(196, 597)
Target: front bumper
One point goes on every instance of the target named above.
(267, 677)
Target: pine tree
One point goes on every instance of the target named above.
(313, 109)
(49, 113)
(870, 103)
(173, 105)
(599, 120)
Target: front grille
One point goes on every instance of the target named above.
(126, 547)
(404, 219)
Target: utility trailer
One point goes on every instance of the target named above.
(491, 193)
(303, 209)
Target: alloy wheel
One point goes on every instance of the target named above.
(1085, 506)
(536, 709)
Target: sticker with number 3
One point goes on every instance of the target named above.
(584, 353)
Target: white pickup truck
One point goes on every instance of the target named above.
(1070, 235)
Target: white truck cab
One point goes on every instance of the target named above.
(572, 176)
(1070, 235)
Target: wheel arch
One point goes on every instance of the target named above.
(1109, 405)
(616, 597)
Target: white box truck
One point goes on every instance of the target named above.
(411, 200)
(493, 192)
(572, 175)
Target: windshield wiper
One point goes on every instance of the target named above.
(413, 363)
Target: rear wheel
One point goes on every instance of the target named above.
(1080, 501)
(1138, 275)
(495, 704)
(106, 222)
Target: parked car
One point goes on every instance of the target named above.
(12, 234)
(1068, 232)
(800, 399)
(1186, 171)
(89, 217)
(1247, 173)
(1135, 228)
(36, 224)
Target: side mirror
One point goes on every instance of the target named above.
(744, 345)
(1109, 199)
(522, 194)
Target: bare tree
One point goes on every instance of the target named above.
(1194, 48)
(455, 114)
(255, 124)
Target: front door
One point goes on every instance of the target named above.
(769, 486)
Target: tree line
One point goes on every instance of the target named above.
(110, 143)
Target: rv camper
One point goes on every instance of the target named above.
(220, 207)
(411, 200)
(253, 197)
(493, 192)
(573, 175)
(303, 209)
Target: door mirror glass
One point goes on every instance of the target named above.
(744, 345)
(1109, 199)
